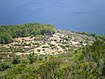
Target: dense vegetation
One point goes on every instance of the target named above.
(85, 63)
(8, 32)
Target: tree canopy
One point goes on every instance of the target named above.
(8, 32)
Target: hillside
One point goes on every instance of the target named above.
(39, 51)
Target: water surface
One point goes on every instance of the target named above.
(77, 15)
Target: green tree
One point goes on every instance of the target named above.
(5, 38)
(32, 58)
(15, 60)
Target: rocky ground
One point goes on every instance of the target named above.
(57, 43)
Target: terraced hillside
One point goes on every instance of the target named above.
(46, 44)
(48, 53)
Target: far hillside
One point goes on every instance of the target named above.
(8, 32)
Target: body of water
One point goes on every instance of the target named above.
(76, 15)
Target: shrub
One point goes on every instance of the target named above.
(15, 60)
(4, 66)
(32, 58)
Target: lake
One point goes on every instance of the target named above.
(76, 15)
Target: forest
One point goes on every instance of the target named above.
(8, 32)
